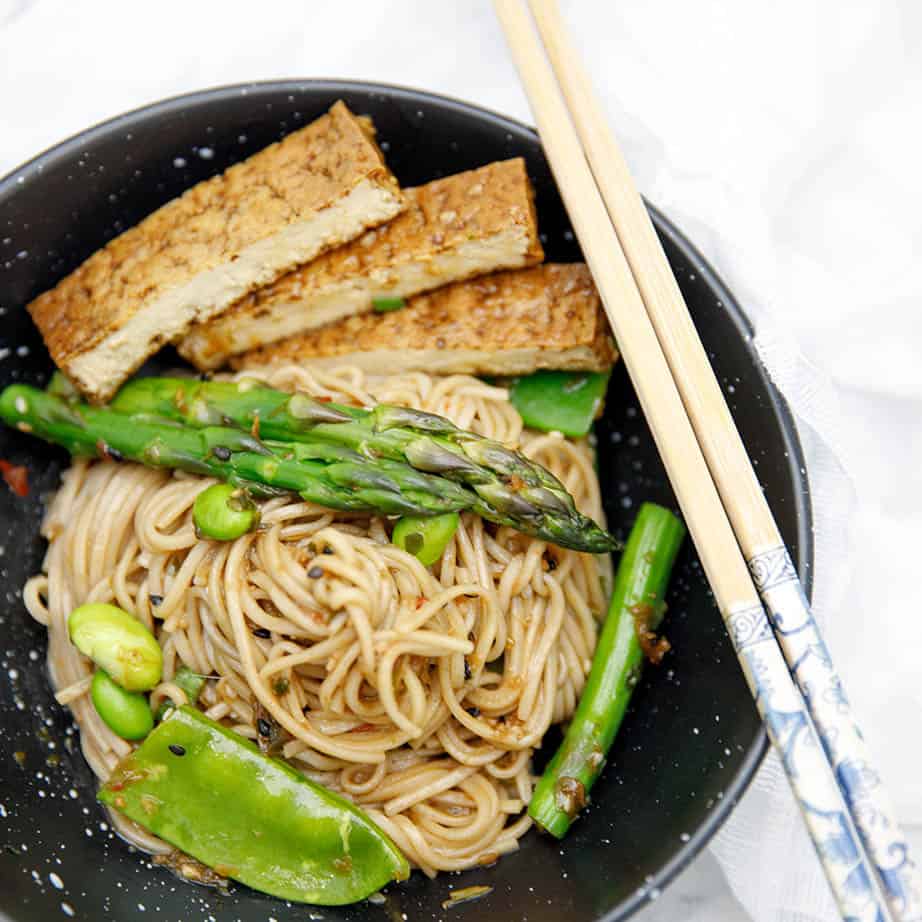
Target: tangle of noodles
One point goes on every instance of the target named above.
(419, 693)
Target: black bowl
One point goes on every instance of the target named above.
(692, 739)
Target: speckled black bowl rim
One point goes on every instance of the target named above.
(794, 451)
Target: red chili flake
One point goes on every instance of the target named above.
(364, 728)
(16, 477)
(324, 399)
(420, 601)
(516, 483)
(107, 453)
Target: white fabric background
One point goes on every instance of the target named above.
(783, 137)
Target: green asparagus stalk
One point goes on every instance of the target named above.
(344, 481)
(325, 473)
(511, 485)
(635, 611)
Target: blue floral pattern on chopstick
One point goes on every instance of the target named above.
(821, 687)
(792, 733)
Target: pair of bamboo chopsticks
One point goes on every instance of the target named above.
(786, 663)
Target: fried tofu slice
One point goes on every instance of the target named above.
(509, 323)
(454, 228)
(320, 187)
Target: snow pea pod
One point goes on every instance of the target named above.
(565, 401)
(215, 796)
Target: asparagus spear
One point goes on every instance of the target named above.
(636, 609)
(344, 481)
(325, 473)
(515, 487)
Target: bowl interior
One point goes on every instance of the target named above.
(692, 738)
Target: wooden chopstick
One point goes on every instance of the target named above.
(779, 702)
(753, 523)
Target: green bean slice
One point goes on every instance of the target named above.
(386, 305)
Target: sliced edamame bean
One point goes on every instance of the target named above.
(425, 537)
(118, 643)
(224, 512)
(126, 713)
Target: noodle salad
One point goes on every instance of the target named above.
(418, 694)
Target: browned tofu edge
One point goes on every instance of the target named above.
(441, 216)
(552, 307)
(205, 226)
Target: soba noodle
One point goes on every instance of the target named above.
(418, 693)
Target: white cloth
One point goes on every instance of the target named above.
(782, 137)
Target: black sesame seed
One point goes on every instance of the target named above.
(467, 670)
(474, 711)
(155, 599)
(221, 452)
(114, 454)
(315, 572)
(263, 632)
(262, 725)
(177, 750)
(551, 562)
(328, 550)
(204, 376)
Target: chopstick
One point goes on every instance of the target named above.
(780, 703)
(756, 530)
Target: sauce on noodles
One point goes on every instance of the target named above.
(419, 693)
